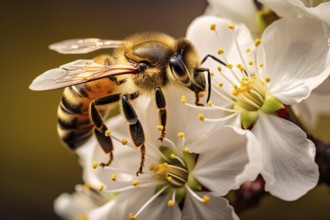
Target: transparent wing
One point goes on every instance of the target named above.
(79, 46)
(77, 72)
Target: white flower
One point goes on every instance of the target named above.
(184, 176)
(262, 77)
(78, 204)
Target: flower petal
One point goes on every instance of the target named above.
(289, 167)
(216, 208)
(230, 159)
(132, 202)
(297, 57)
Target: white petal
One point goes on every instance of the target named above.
(208, 42)
(231, 158)
(233, 10)
(297, 58)
(216, 208)
(289, 167)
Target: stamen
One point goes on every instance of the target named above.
(220, 51)
(148, 202)
(101, 187)
(132, 216)
(107, 133)
(124, 141)
(213, 27)
(149, 184)
(201, 117)
(257, 42)
(223, 118)
(114, 177)
(183, 99)
(135, 182)
(231, 26)
(209, 103)
(160, 127)
(186, 150)
(248, 50)
(181, 134)
(152, 167)
(205, 198)
(173, 156)
(267, 79)
(95, 164)
(212, 73)
(170, 203)
(229, 66)
(169, 179)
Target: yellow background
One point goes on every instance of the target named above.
(35, 168)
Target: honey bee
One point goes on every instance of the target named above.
(142, 63)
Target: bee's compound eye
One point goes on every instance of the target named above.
(177, 66)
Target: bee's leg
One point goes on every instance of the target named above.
(135, 129)
(100, 130)
(161, 105)
(198, 70)
(214, 58)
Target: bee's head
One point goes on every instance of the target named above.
(184, 65)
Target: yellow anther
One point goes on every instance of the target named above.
(213, 27)
(169, 178)
(257, 42)
(220, 51)
(209, 103)
(206, 199)
(250, 62)
(219, 68)
(170, 203)
(220, 84)
(241, 69)
(161, 170)
(229, 65)
(114, 177)
(186, 150)
(267, 79)
(151, 167)
(132, 216)
(173, 156)
(231, 26)
(135, 182)
(201, 117)
(101, 187)
(124, 141)
(238, 65)
(183, 99)
(261, 65)
(107, 133)
(201, 94)
(248, 50)
(95, 164)
(234, 85)
(160, 127)
(212, 73)
(181, 134)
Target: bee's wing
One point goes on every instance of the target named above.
(77, 72)
(86, 45)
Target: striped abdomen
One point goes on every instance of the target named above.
(74, 125)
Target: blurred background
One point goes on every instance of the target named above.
(36, 168)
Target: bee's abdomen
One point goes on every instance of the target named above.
(73, 123)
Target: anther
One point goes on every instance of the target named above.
(250, 62)
(169, 178)
(257, 42)
(114, 177)
(229, 65)
(201, 117)
(183, 99)
(231, 26)
(267, 79)
(151, 167)
(160, 127)
(220, 51)
(248, 50)
(135, 182)
(173, 156)
(206, 199)
(219, 68)
(170, 203)
(101, 187)
(186, 150)
(212, 73)
(213, 27)
(220, 84)
(132, 216)
(107, 133)
(261, 65)
(209, 103)
(124, 141)
(201, 94)
(95, 164)
(181, 134)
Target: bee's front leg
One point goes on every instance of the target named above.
(135, 129)
(162, 114)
